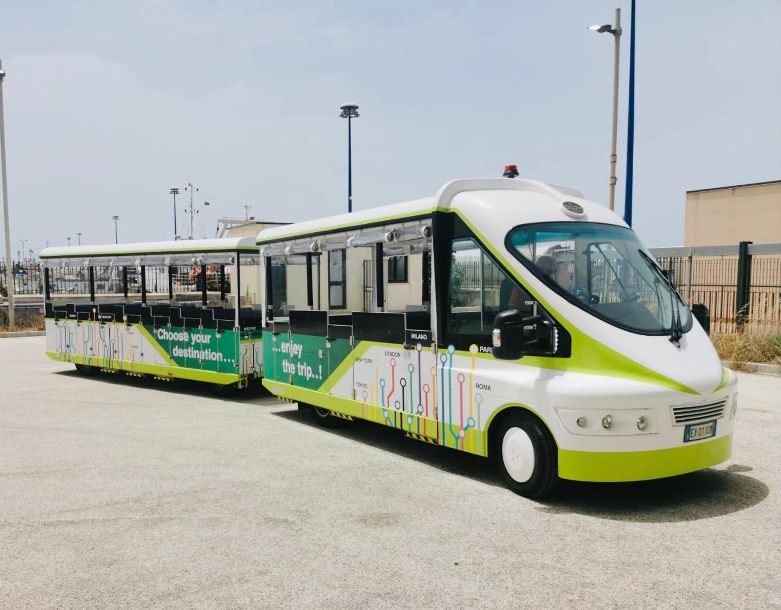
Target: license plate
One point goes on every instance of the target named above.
(697, 432)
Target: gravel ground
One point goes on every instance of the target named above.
(123, 492)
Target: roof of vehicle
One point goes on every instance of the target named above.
(181, 246)
(411, 209)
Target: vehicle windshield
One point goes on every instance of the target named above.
(605, 270)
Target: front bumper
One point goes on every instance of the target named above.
(613, 467)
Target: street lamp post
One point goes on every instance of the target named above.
(115, 218)
(174, 191)
(69, 240)
(616, 32)
(349, 112)
(78, 236)
(9, 271)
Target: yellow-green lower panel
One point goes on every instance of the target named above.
(416, 426)
(621, 466)
(175, 372)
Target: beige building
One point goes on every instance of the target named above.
(731, 214)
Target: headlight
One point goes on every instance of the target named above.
(734, 408)
(596, 422)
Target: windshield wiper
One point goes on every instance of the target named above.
(676, 326)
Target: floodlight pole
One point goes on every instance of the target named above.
(349, 112)
(9, 268)
(174, 191)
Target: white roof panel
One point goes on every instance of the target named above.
(181, 246)
(444, 199)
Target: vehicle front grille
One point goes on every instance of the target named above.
(693, 413)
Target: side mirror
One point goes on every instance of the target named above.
(702, 313)
(514, 336)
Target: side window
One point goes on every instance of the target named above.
(478, 290)
(279, 286)
(337, 276)
(397, 269)
(288, 284)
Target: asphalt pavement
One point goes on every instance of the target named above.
(117, 491)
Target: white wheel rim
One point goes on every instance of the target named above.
(322, 412)
(518, 455)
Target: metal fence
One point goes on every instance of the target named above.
(28, 277)
(740, 285)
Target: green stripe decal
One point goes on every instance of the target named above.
(176, 372)
(153, 342)
(724, 379)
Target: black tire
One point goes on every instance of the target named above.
(226, 390)
(87, 370)
(526, 455)
(324, 418)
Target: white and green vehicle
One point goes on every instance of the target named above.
(180, 309)
(507, 318)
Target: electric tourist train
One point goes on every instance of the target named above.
(508, 318)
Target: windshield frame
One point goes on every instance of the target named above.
(683, 325)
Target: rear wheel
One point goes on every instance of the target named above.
(527, 456)
(323, 417)
(226, 389)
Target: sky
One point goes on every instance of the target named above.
(110, 104)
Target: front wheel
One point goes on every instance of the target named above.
(527, 456)
(87, 370)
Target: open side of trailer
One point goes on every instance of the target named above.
(180, 309)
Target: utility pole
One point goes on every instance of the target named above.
(193, 189)
(9, 269)
(246, 211)
(115, 218)
(630, 119)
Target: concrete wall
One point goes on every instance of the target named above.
(26, 314)
(729, 215)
